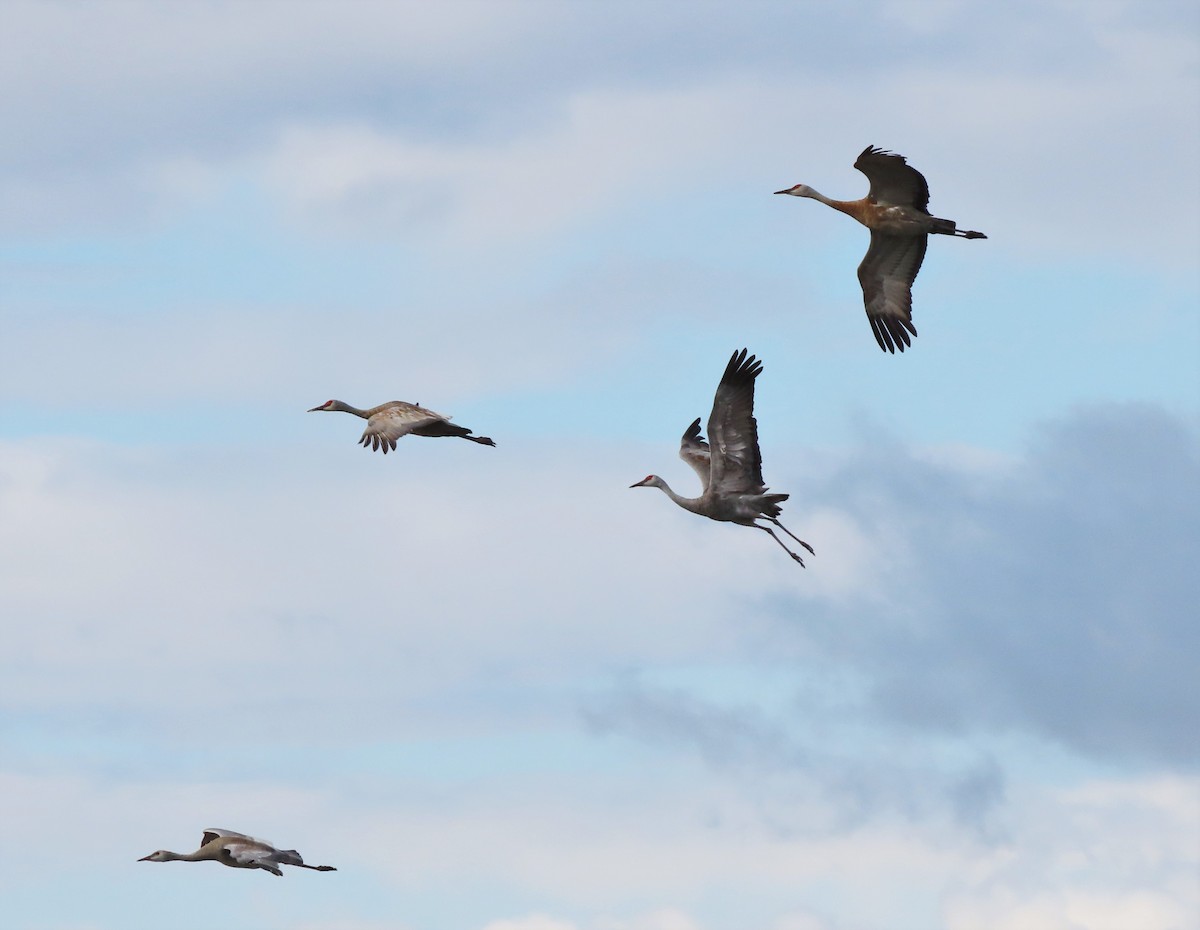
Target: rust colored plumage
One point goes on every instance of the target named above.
(896, 210)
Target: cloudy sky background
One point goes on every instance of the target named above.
(494, 687)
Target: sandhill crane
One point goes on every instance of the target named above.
(896, 212)
(237, 851)
(388, 422)
(731, 471)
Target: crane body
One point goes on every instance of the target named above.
(730, 470)
(238, 851)
(896, 210)
(389, 422)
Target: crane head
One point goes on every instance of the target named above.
(800, 190)
(650, 481)
(328, 405)
(159, 855)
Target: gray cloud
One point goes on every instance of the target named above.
(792, 773)
(1057, 598)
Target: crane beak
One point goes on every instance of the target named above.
(145, 858)
(314, 409)
(784, 191)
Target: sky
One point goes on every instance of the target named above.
(496, 688)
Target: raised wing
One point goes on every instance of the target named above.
(886, 274)
(736, 463)
(892, 180)
(394, 421)
(694, 450)
(212, 833)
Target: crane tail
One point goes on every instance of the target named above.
(443, 428)
(768, 505)
(943, 227)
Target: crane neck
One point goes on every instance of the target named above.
(687, 503)
(183, 857)
(346, 408)
(855, 208)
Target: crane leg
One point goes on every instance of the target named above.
(767, 529)
(810, 549)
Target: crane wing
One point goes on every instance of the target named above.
(886, 274)
(694, 450)
(287, 857)
(212, 833)
(394, 421)
(892, 180)
(250, 855)
(246, 852)
(736, 463)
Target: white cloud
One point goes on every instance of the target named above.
(802, 922)
(663, 919)
(533, 922)
(1105, 855)
(600, 144)
(603, 149)
(350, 924)
(599, 849)
(195, 568)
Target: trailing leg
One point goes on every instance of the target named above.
(767, 529)
(811, 550)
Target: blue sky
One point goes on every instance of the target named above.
(495, 687)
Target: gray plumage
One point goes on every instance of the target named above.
(730, 469)
(388, 422)
(238, 851)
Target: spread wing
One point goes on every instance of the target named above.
(694, 450)
(394, 421)
(736, 460)
(886, 274)
(892, 179)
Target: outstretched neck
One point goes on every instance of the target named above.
(169, 856)
(687, 503)
(854, 208)
(346, 408)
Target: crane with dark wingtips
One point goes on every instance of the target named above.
(896, 210)
(388, 422)
(730, 469)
